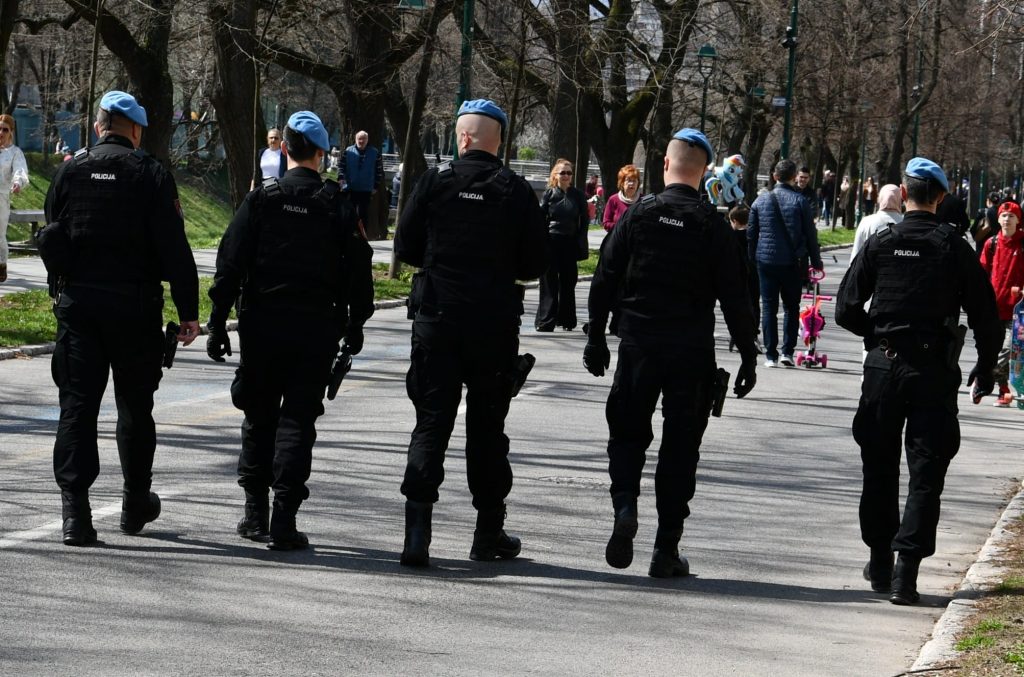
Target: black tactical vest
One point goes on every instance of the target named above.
(917, 280)
(108, 200)
(671, 265)
(299, 248)
(472, 240)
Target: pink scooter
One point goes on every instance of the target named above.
(811, 324)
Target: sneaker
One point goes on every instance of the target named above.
(1004, 400)
(769, 362)
(786, 361)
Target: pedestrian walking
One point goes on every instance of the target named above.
(360, 173)
(270, 162)
(1003, 260)
(918, 275)
(294, 251)
(123, 230)
(473, 227)
(890, 211)
(13, 177)
(782, 239)
(629, 190)
(565, 208)
(676, 256)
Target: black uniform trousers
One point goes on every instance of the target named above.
(557, 304)
(683, 380)
(114, 328)
(445, 355)
(912, 402)
(281, 389)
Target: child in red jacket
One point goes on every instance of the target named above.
(1003, 259)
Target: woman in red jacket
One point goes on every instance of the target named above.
(629, 191)
(1003, 259)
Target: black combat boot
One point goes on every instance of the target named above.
(619, 552)
(904, 581)
(666, 561)
(77, 516)
(416, 552)
(256, 524)
(137, 510)
(878, 570)
(490, 540)
(283, 534)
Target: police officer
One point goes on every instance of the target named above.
(120, 208)
(474, 228)
(918, 275)
(294, 251)
(665, 264)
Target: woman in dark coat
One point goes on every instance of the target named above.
(565, 208)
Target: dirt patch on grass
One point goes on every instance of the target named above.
(993, 642)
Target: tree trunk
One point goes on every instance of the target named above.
(413, 164)
(8, 13)
(145, 61)
(233, 23)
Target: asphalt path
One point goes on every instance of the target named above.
(773, 540)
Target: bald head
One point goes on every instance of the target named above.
(684, 163)
(478, 132)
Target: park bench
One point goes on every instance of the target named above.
(35, 218)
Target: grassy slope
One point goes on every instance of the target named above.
(206, 215)
(26, 318)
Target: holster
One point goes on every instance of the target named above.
(719, 391)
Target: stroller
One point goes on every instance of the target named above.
(812, 322)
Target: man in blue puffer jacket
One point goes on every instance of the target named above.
(360, 171)
(780, 238)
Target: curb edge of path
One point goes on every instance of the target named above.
(981, 577)
(47, 348)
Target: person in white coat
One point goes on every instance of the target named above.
(13, 177)
(890, 212)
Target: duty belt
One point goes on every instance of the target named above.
(892, 347)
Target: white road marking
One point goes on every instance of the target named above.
(44, 531)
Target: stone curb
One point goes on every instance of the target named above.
(982, 577)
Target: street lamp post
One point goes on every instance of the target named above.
(790, 43)
(465, 67)
(706, 56)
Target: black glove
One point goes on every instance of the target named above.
(986, 382)
(746, 377)
(354, 340)
(217, 342)
(596, 357)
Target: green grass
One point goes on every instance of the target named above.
(1014, 585)
(837, 236)
(1015, 656)
(588, 266)
(206, 213)
(26, 318)
(981, 636)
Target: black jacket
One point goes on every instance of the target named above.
(125, 222)
(344, 279)
(916, 306)
(474, 231)
(665, 264)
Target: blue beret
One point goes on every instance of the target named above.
(308, 124)
(696, 138)
(923, 168)
(484, 107)
(124, 104)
